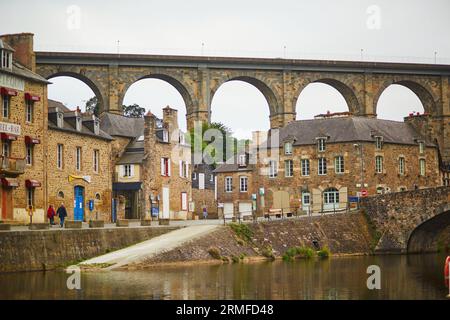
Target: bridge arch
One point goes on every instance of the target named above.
(423, 92)
(425, 237)
(268, 93)
(178, 84)
(345, 90)
(86, 80)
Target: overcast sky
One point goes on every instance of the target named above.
(408, 31)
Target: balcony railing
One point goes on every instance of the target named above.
(11, 166)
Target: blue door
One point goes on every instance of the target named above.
(78, 211)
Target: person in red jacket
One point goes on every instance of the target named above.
(51, 214)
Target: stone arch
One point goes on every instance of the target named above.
(86, 80)
(425, 236)
(347, 93)
(185, 92)
(424, 94)
(268, 93)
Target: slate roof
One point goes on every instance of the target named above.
(350, 129)
(234, 167)
(129, 157)
(119, 125)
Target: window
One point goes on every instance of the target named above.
(402, 189)
(378, 143)
(29, 111)
(288, 148)
(242, 160)
(321, 144)
(78, 123)
(61, 194)
(194, 176)
(59, 156)
(331, 196)
(421, 147)
(243, 184)
(30, 197)
(273, 169)
(60, 120)
(96, 160)
(380, 190)
(97, 196)
(165, 136)
(6, 149)
(306, 198)
(184, 201)
(401, 166)
(165, 167)
(289, 168)
(322, 168)
(5, 106)
(422, 167)
(6, 59)
(96, 127)
(184, 169)
(201, 181)
(379, 164)
(29, 157)
(127, 170)
(211, 178)
(228, 184)
(339, 164)
(78, 158)
(305, 167)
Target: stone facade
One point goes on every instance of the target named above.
(23, 179)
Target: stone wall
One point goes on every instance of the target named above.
(397, 216)
(44, 250)
(203, 198)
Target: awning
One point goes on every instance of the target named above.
(29, 96)
(8, 137)
(9, 182)
(31, 140)
(126, 186)
(8, 92)
(32, 183)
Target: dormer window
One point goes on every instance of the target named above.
(321, 144)
(60, 120)
(378, 142)
(165, 135)
(78, 123)
(6, 59)
(421, 147)
(96, 126)
(242, 160)
(288, 148)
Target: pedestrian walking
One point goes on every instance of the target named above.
(51, 215)
(205, 213)
(62, 214)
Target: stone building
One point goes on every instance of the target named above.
(78, 164)
(152, 174)
(316, 165)
(23, 123)
(203, 190)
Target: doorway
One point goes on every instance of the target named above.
(7, 205)
(166, 203)
(78, 210)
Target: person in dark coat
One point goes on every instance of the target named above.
(51, 214)
(62, 214)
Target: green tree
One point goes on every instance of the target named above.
(93, 106)
(133, 111)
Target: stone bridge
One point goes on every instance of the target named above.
(280, 81)
(411, 221)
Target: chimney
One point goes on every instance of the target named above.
(170, 119)
(23, 46)
(149, 132)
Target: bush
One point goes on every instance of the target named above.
(242, 230)
(268, 253)
(215, 253)
(324, 253)
(298, 252)
(235, 259)
(242, 256)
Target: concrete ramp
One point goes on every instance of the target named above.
(147, 249)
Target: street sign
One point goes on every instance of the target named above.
(155, 211)
(253, 196)
(353, 199)
(91, 205)
(364, 193)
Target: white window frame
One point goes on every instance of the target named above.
(306, 165)
(78, 158)
(421, 147)
(378, 142)
(322, 166)
(6, 149)
(228, 184)
(401, 165)
(165, 167)
(127, 170)
(165, 135)
(243, 184)
(339, 166)
(288, 148)
(60, 156)
(60, 120)
(273, 169)
(242, 160)
(422, 167)
(321, 144)
(379, 164)
(6, 101)
(29, 154)
(289, 168)
(96, 160)
(29, 111)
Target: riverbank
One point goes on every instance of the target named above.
(342, 234)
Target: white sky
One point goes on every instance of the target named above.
(404, 31)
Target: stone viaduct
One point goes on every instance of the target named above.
(280, 81)
(410, 221)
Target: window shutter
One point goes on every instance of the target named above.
(122, 171)
(187, 169)
(181, 168)
(168, 167)
(131, 170)
(163, 171)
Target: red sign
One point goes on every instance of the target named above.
(364, 193)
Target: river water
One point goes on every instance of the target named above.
(402, 277)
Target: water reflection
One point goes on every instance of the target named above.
(402, 277)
